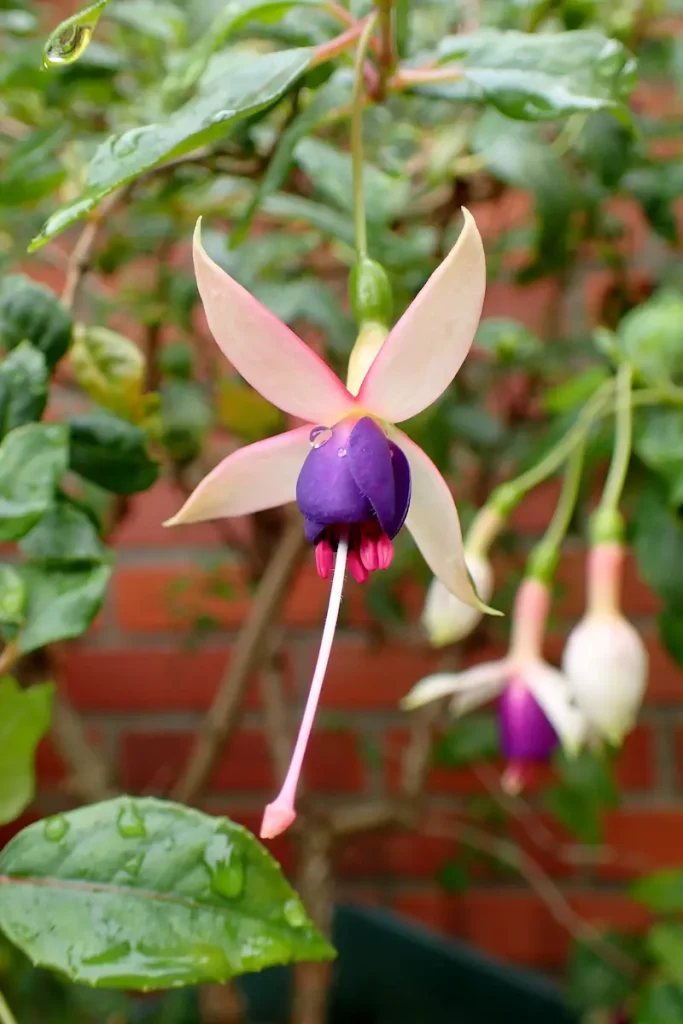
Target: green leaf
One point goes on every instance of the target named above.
(32, 461)
(237, 84)
(332, 94)
(594, 983)
(31, 312)
(111, 452)
(580, 816)
(606, 147)
(61, 602)
(186, 418)
(537, 77)
(649, 336)
(573, 393)
(586, 790)
(661, 891)
(665, 943)
(147, 894)
(508, 341)
(454, 876)
(12, 596)
(65, 535)
(658, 543)
(660, 1002)
(475, 738)
(24, 719)
(111, 370)
(70, 39)
(658, 441)
(192, 65)
(331, 173)
(517, 154)
(23, 387)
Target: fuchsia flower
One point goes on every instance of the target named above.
(535, 706)
(355, 477)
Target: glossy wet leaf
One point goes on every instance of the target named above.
(144, 894)
(110, 368)
(24, 719)
(23, 387)
(61, 602)
(71, 38)
(191, 66)
(65, 535)
(661, 891)
(111, 452)
(32, 461)
(236, 84)
(12, 596)
(537, 77)
(31, 312)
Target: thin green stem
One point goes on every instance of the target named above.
(357, 103)
(545, 556)
(6, 1015)
(508, 495)
(621, 456)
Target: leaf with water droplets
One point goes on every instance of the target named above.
(537, 77)
(71, 38)
(24, 719)
(235, 85)
(143, 894)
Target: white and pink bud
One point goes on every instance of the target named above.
(605, 659)
(446, 619)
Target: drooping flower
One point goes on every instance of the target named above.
(535, 704)
(355, 476)
(445, 618)
(605, 658)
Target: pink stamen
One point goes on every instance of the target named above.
(280, 814)
(356, 567)
(324, 559)
(368, 553)
(385, 552)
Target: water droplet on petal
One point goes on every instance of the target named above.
(294, 912)
(55, 828)
(319, 436)
(67, 44)
(341, 452)
(226, 866)
(130, 823)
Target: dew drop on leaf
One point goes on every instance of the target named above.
(225, 865)
(133, 865)
(67, 45)
(55, 828)
(130, 823)
(295, 915)
(319, 436)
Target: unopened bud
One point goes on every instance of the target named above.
(370, 292)
(606, 664)
(446, 619)
(368, 343)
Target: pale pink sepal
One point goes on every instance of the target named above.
(433, 521)
(258, 476)
(264, 350)
(553, 693)
(487, 678)
(429, 343)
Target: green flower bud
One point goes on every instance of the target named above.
(370, 292)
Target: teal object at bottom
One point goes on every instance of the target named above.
(392, 972)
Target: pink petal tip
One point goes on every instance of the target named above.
(277, 818)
